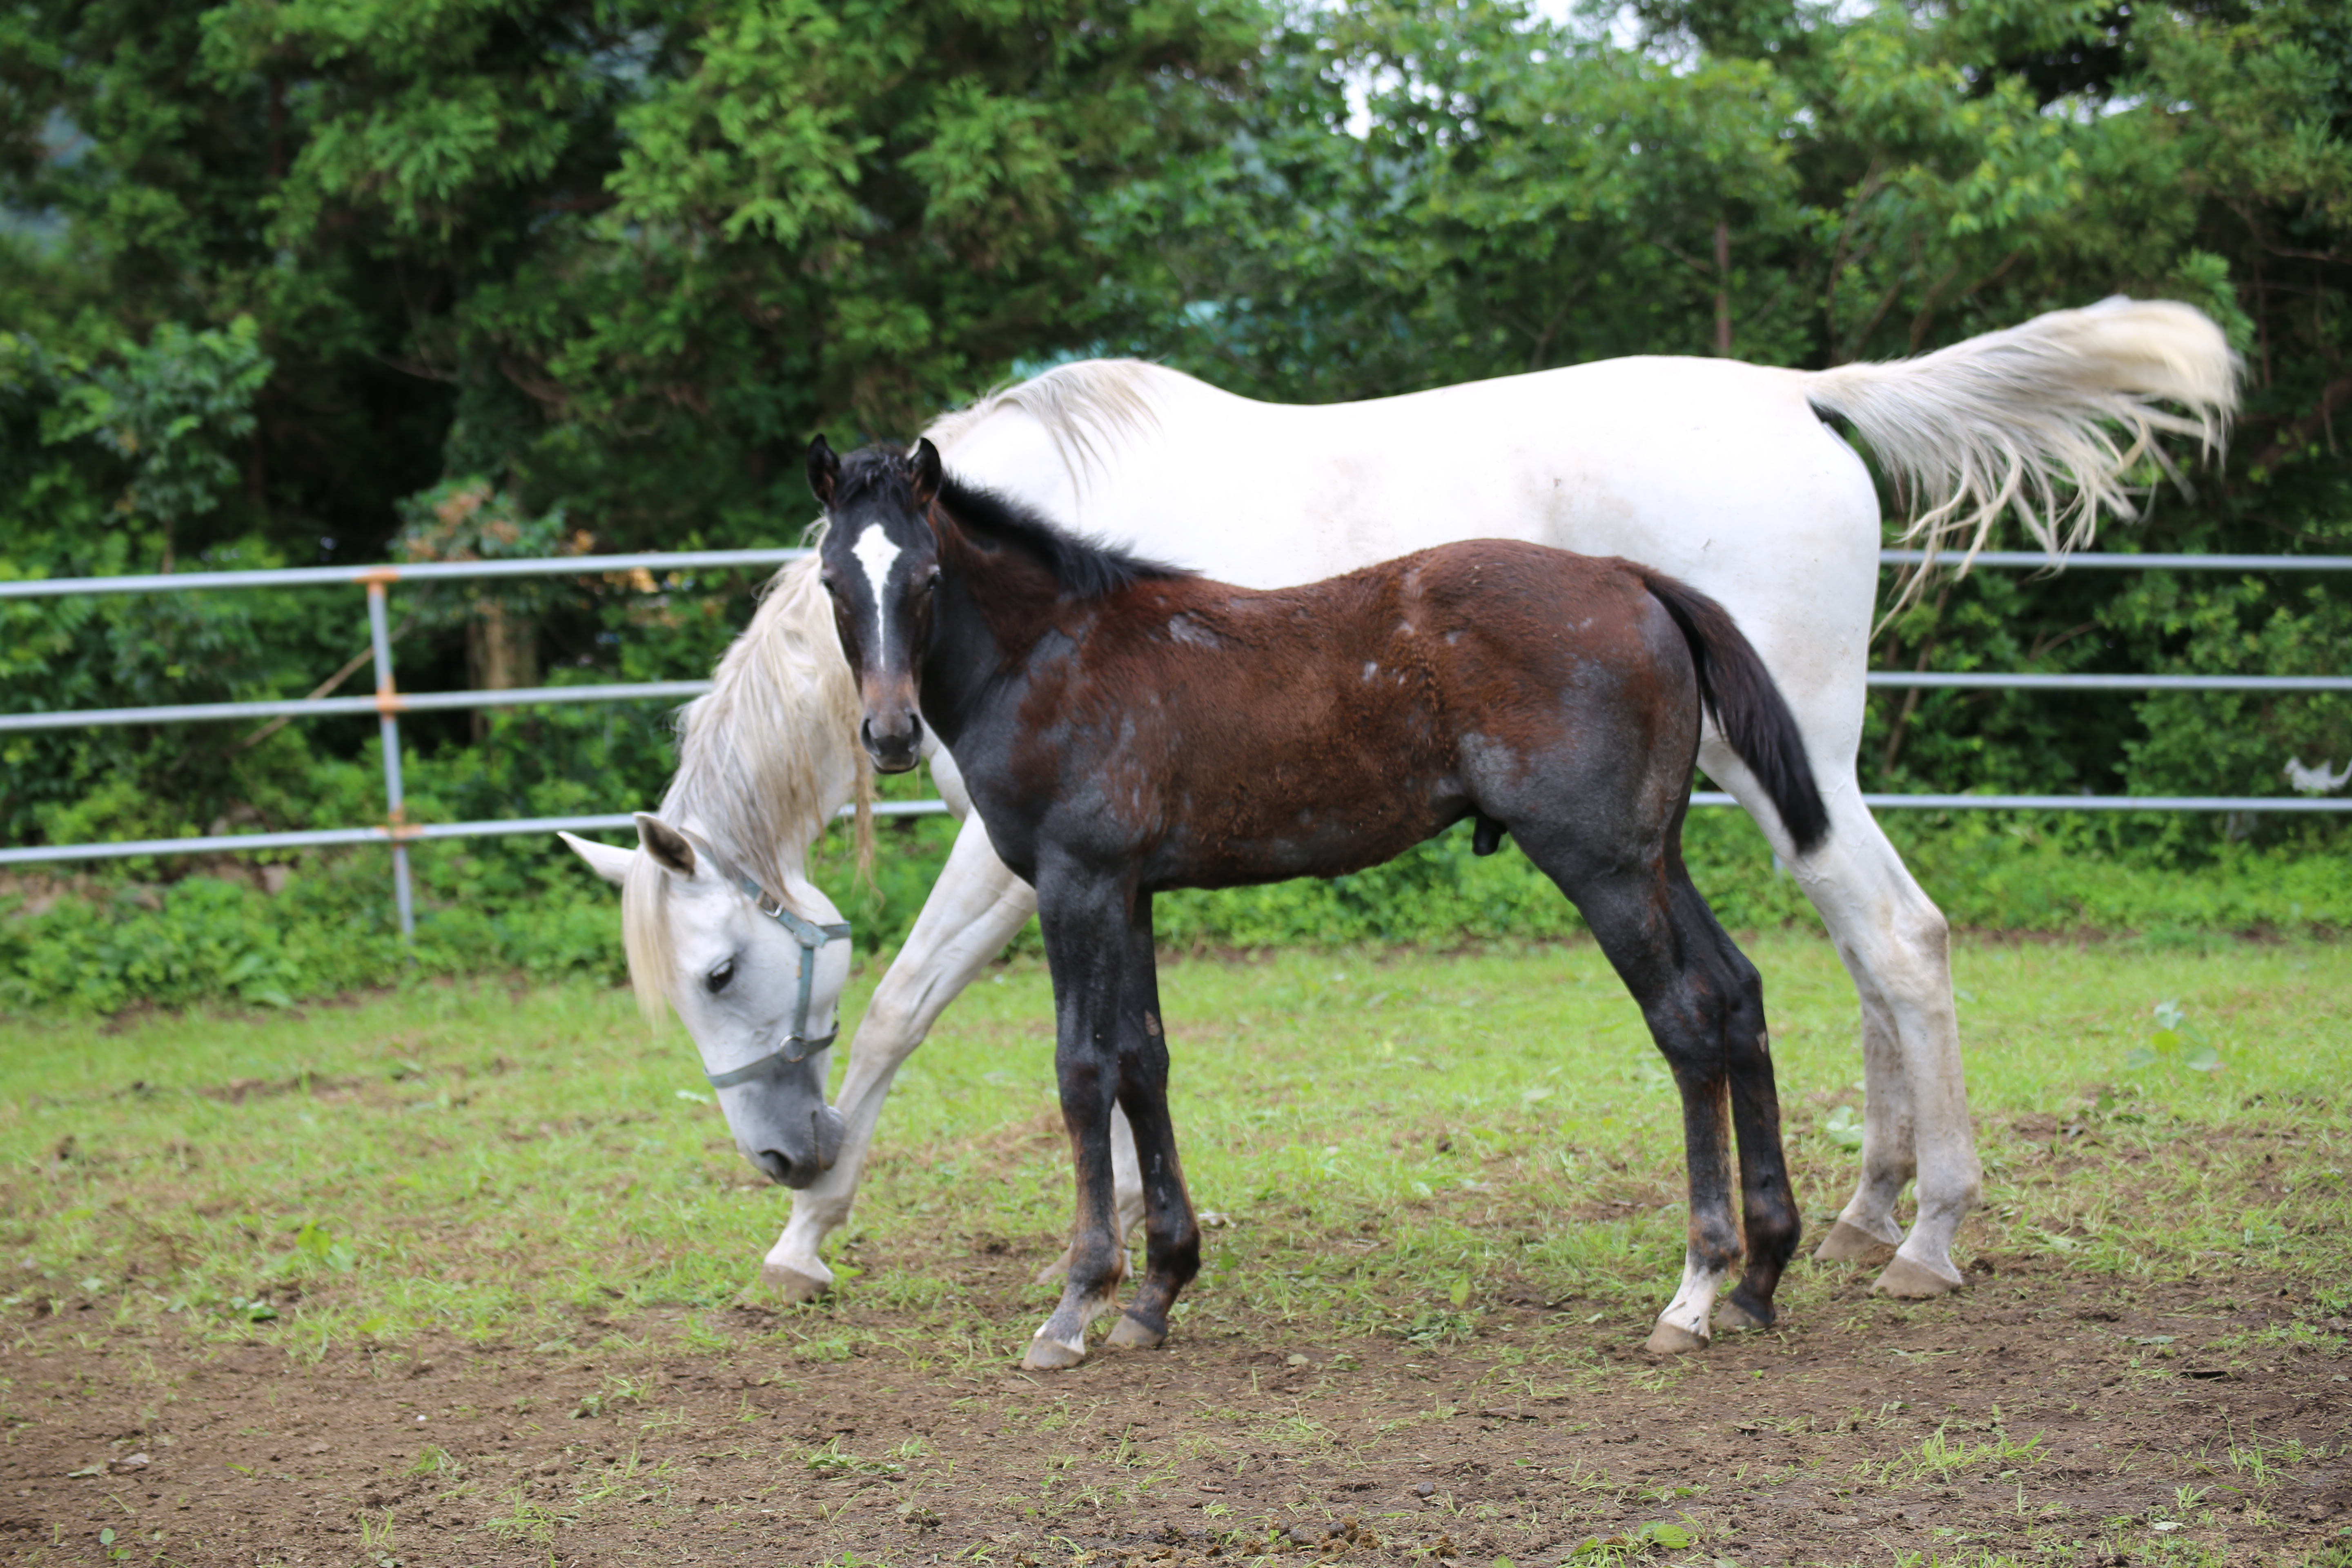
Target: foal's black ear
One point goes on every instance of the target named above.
(823, 467)
(923, 470)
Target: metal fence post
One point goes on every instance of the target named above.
(388, 705)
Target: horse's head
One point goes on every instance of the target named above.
(881, 566)
(734, 972)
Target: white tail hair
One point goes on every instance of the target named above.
(2025, 419)
(764, 759)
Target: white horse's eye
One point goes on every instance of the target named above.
(716, 981)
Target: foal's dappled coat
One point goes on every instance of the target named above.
(1125, 727)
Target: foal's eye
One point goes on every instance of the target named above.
(716, 981)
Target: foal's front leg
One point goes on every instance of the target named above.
(1084, 922)
(1171, 1234)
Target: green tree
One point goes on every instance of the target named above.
(1431, 191)
(612, 258)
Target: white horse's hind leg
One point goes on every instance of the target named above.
(1867, 1231)
(1895, 943)
(976, 907)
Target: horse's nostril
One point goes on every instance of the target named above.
(775, 1164)
(907, 731)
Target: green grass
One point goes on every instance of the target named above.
(1399, 1139)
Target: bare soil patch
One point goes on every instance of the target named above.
(2038, 1416)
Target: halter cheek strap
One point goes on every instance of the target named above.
(797, 1046)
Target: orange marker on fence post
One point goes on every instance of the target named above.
(387, 707)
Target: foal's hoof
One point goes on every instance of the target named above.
(1908, 1282)
(1852, 1244)
(1129, 1333)
(790, 1284)
(1051, 1355)
(1731, 1318)
(1668, 1339)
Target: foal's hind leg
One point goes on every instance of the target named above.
(1663, 946)
(1768, 1205)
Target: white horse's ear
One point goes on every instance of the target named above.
(607, 862)
(665, 844)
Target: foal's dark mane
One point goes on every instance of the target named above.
(1085, 568)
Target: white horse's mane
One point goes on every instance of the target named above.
(1088, 406)
(764, 758)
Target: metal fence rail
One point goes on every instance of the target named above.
(410, 572)
(2120, 560)
(654, 690)
(329, 707)
(389, 702)
(312, 838)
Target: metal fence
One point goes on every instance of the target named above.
(389, 702)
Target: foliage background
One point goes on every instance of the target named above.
(278, 282)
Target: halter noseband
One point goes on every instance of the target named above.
(797, 1046)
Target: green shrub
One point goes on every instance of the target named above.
(525, 904)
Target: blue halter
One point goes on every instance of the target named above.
(797, 1046)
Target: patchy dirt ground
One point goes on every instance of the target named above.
(2037, 1416)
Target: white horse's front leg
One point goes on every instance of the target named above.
(975, 907)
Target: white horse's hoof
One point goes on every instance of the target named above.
(1908, 1282)
(1668, 1339)
(790, 1284)
(1730, 1318)
(1128, 1335)
(1852, 1244)
(1051, 1355)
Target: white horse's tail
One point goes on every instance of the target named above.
(2026, 418)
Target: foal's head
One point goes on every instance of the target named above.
(881, 564)
(891, 518)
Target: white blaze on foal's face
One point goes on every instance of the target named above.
(876, 553)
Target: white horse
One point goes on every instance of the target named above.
(1723, 474)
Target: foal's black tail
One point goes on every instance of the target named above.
(1751, 710)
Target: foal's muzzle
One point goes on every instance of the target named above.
(896, 745)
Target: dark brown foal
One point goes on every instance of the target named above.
(1125, 727)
